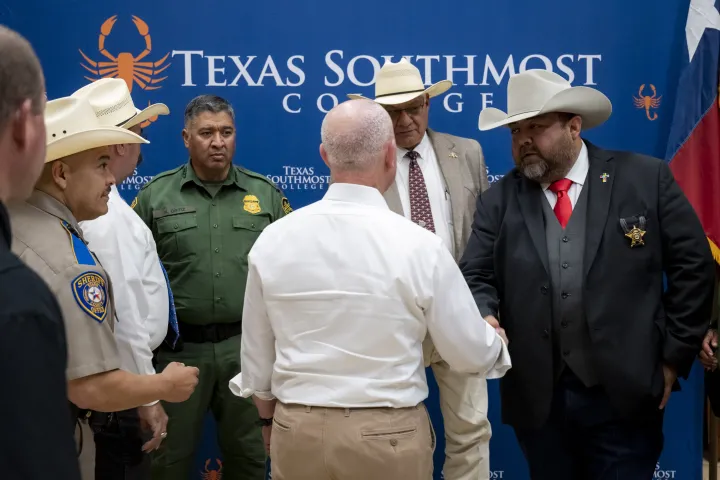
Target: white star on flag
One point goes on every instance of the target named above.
(702, 15)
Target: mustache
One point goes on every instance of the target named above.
(524, 152)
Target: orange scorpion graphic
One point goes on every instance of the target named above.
(125, 65)
(212, 474)
(648, 102)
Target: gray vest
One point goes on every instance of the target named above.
(571, 337)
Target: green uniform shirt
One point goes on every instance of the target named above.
(203, 239)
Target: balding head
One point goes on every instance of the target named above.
(358, 144)
(22, 127)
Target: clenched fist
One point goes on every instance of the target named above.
(181, 381)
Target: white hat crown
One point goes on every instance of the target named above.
(110, 99)
(531, 91)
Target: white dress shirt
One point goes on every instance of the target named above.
(340, 295)
(578, 174)
(436, 187)
(126, 249)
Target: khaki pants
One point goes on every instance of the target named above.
(315, 443)
(464, 407)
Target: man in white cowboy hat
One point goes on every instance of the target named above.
(438, 178)
(125, 247)
(568, 253)
(32, 337)
(74, 187)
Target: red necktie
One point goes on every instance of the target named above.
(420, 211)
(563, 207)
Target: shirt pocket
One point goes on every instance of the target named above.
(175, 233)
(246, 229)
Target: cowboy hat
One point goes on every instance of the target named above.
(111, 100)
(72, 127)
(536, 92)
(400, 82)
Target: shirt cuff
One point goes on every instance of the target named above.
(238, 389)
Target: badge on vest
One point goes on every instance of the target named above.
(251, 204)
(90, 294)
(636, 233)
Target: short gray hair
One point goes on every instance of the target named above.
(207, 103)
(355, 133)
(21, 76)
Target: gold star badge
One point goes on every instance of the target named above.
(453, 155)
(636, 237)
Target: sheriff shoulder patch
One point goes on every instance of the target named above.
(90, 294)
(134, 202)
(286, 206)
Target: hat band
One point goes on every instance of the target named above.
(126, 120)
(399, 93)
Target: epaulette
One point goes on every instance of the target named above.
(260, 176)
(166, 173)
(80, 249)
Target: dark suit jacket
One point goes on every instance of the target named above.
(634, 326)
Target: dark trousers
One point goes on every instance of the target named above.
(584, 438)
(118, 449)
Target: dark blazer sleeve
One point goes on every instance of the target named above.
(477, 263)
(688, 266)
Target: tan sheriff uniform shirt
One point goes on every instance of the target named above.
(48, 239)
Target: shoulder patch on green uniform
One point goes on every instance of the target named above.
(286, 205)
(80, 249)
(160, 175)
(260, 176)
(134, 203)
(90, 293)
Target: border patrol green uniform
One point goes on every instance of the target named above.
(204, 233)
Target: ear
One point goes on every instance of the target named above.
(60, 171)
(575, 125)
(324, 155)
(186, 137)
(21, 126)
(120, 149)
(390, 155)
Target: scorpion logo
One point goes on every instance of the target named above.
(125, 65)
(647, 102)
(212, 474)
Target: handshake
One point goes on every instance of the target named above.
(496, 325)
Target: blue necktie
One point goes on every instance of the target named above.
(173, 315)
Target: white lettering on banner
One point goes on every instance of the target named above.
(492, 178)
(299, 178)
(134, 182)
(497, 474)
(660, 474)
(361, 71)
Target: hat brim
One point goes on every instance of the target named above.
(89, 139)
(397, 99)
(591, 105)
(143, 115)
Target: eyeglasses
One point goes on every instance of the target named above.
(412, 111)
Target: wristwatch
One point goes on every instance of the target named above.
(265, 422)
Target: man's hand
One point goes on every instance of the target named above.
(503, 335)
(266, 432)
(155, 419)
(182, 381)
(670, 377)
(707, 354)
(496, 325)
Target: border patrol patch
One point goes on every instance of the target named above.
(91, 295)
(251, 204)
(134, 203)
(286, 206)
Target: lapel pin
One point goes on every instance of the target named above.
(453, 155)
(604, 177)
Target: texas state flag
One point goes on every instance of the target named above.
(694, 144)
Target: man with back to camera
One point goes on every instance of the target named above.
(334, 321)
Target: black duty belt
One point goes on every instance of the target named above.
(214, 333)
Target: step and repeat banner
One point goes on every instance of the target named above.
(283, 64)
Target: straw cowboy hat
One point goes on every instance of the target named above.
(72, 127)
(401, 82)
(536, 92)
(111, 100)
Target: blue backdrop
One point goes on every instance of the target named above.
(283, 63)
